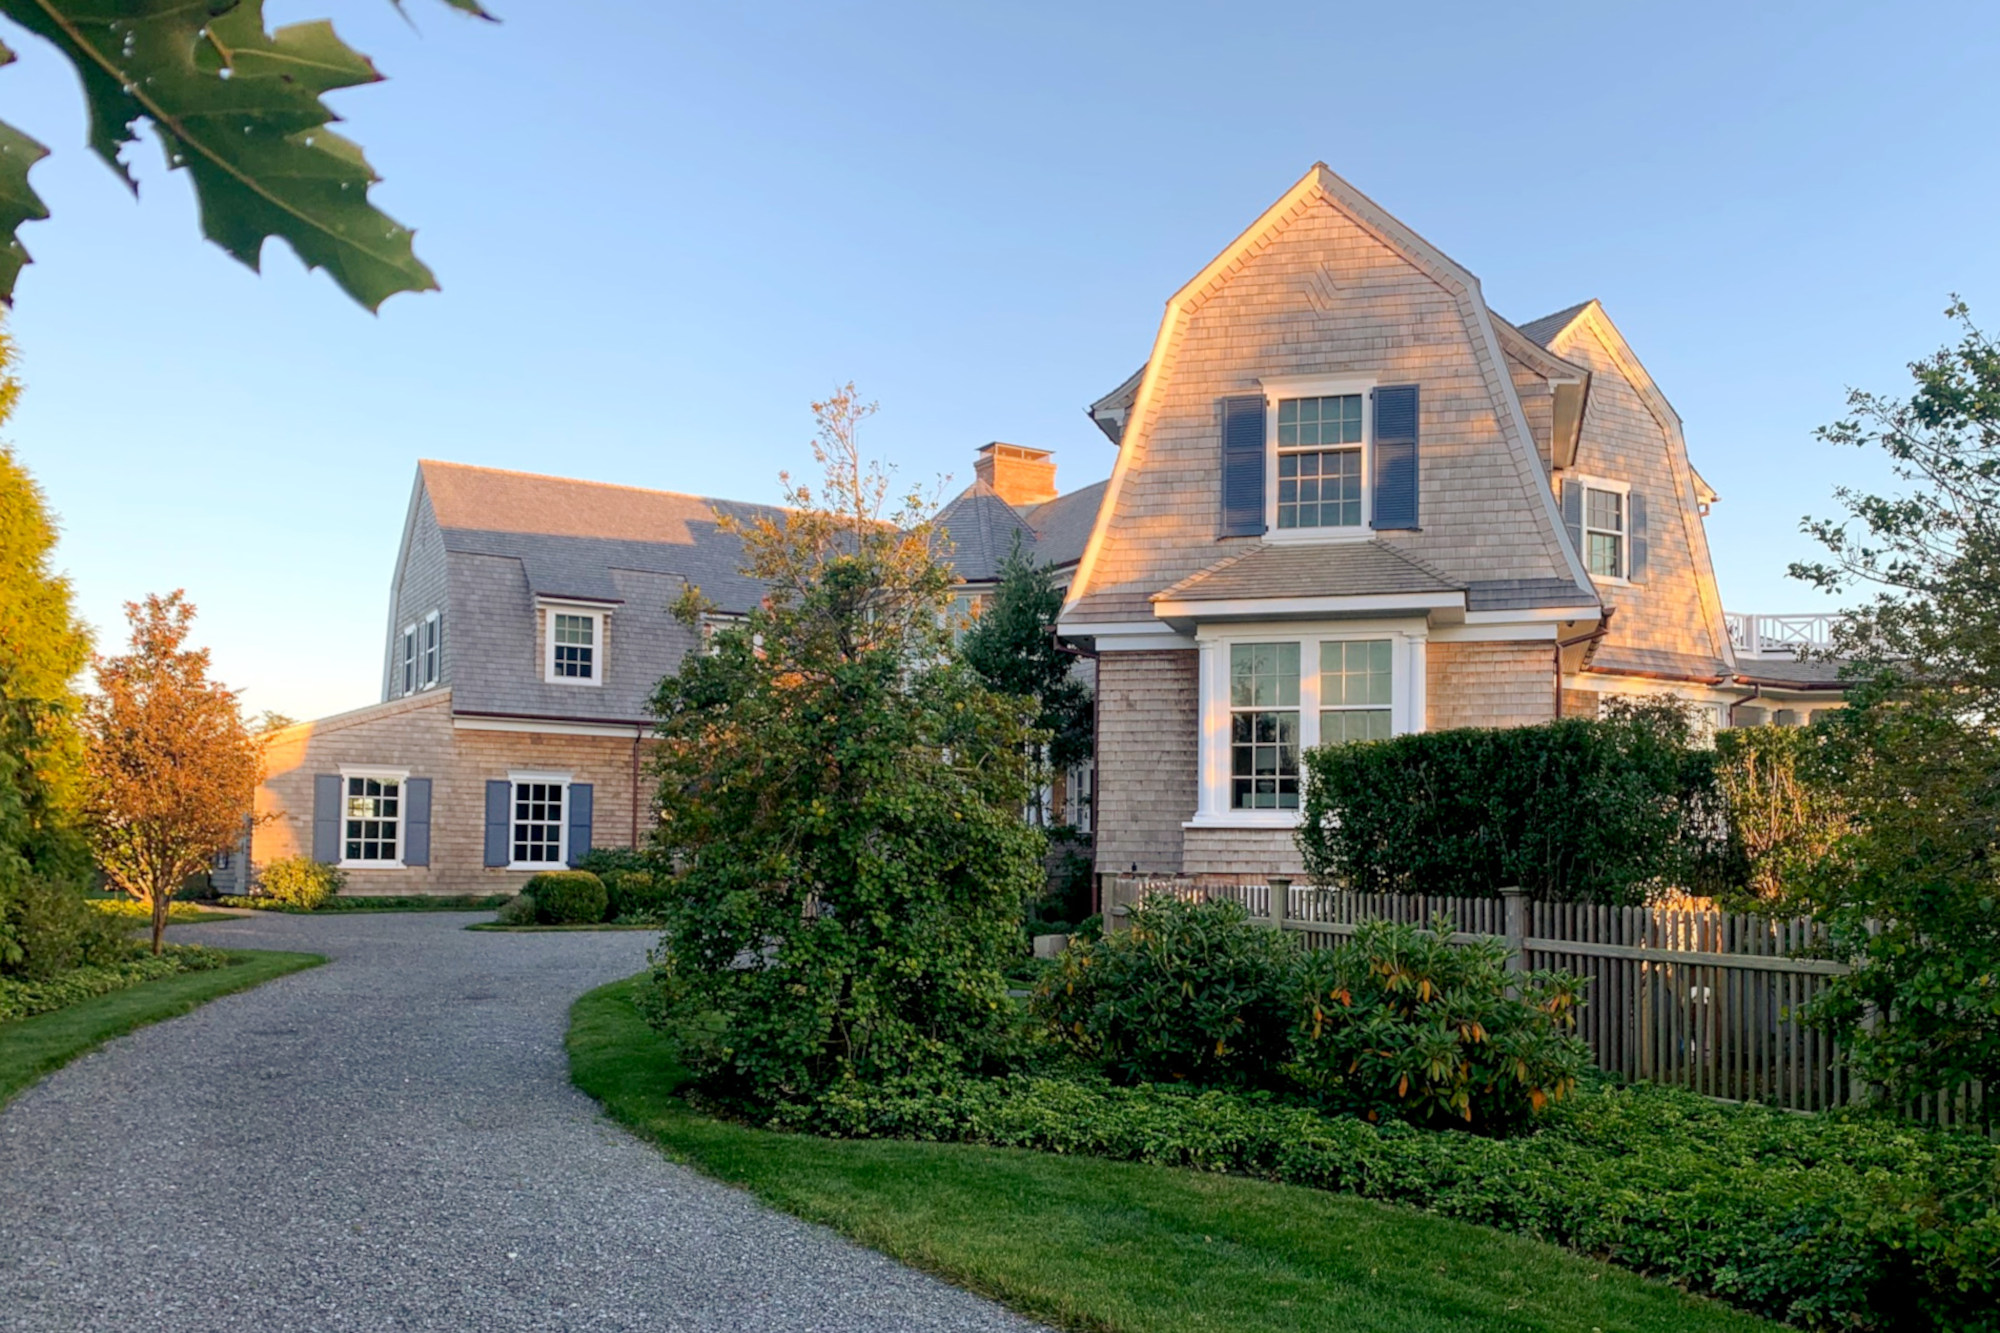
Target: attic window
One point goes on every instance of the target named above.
(1319, 462)
(574, 636)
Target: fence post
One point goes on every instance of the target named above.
(1281, 899)
(1124, 892)
(1516, 902)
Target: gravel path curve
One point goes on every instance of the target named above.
(391, 1142)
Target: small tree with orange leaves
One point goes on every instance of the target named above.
(171, 770)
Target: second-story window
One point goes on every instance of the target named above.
(575, 646)
(409, 662)
(1319, 461)
(1606, 528)
(433, 649)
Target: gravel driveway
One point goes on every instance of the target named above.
(391, 1142)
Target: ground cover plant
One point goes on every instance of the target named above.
(413, 902)
(24, 999)
(1084, 1243)
(139, 914)
(35, 1046)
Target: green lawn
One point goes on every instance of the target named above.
(36, 1046)
(1111, 1247)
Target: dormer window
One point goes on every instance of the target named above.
(574, 636)
(1604, 522)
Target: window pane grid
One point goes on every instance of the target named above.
(538, 821)
(1264, 726)
(1356, 687)
(1318, 486)
(373, 815)
(1604, 532)
(431, 651)
(575, 639)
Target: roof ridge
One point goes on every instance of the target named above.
(423, 463)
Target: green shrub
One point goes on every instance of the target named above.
(24, 999)
(53, 928)
(600, 861)
(636, 895)
(567, 897)
(1578, 809)
(516, 911)
(1190, 992)
(1397, 1023)
(300, 882)
(1828, 1222)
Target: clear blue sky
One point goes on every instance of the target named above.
(663, 229)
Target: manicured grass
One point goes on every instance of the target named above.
(1112, 1247)
(596, 925)
(36, 1046)
(416, 902)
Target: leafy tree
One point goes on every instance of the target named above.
(1012, 646)
(239, 109)
(44, 864)
(1912, 890)
(843, 799)
(172, 770)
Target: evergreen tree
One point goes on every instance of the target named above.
(1012, 645)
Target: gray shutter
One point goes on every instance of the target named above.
(580, 801)
(416, 821)
(1635, 520)
(1243, 467)
(499, 808)
(326, 818)
(1395, 457)
(1573, 518)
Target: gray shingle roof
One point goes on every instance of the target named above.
(1614, 660)
(1781, 671)
(1342, 569)
(1520, 594)
(1544, 330)
(982, 528)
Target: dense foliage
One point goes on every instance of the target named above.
(1012, 645)
(1781, 788)
(566, 897)
(24, 998)
(844, 801)
(1828, 1222)
(171, 770)
(637, 884)
(300, 882)
(1395, 1023)
(1580, 809)
(1188, 992)
(1911, 890)
(236, 107)
(1399, 1023)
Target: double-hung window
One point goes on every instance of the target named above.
(433, 649)
(1606, 527)
(371, 819)
(1319, 461)
(537, 832)
(409, 659)
(575, 646)
(1267, 697)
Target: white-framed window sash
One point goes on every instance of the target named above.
(372, 818)
(432, 651)
(1314, 389)
(573, 643)
(1606, 511)
(1407, 641)
(406, 666)
(538, 821)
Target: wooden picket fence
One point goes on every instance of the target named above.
(1679, 994)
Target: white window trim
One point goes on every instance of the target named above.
(1317, 386)
(406, 661)
(399, 776)
(1408, 640)
(514, 779)
(1586, 483)
(430, 652)
(600, 619)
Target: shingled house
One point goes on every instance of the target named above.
(528, 624)
(1350, 501)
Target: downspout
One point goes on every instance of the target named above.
(1603, 628)
(1756, 693)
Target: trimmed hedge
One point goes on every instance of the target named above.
(567, 897)
(24, 999)
(1578, 809)
(1829, 1222)
(636, 895)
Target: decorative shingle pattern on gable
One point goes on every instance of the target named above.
(1345, 569)
(1403, 316)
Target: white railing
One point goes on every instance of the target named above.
(1780, 636)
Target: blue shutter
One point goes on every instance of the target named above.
(1243, 467)
(326, 818)
(499, 808)
(416, 821)
(580, 794)
(1573, 518)
(1636, 540)
(1395, 457)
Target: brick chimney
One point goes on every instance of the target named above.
(1018, 475)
